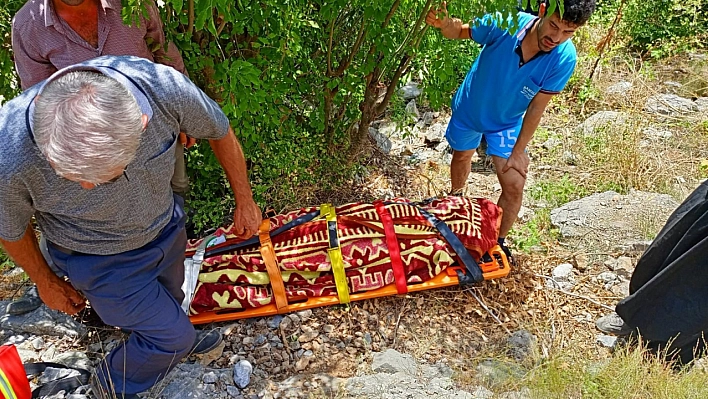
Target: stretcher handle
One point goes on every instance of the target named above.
(220, 250)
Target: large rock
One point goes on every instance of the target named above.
(602, 120)
(382, 142)
(521, 345)
(657, 133)
(669, 104)
(702, 104)
(412, 109)
(435, 133)
(619, 88)
(392, 361)
(43, 321)
(399, 377)
(187, 380)
(612, 218)
(410, 91)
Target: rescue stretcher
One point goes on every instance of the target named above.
(328, 255)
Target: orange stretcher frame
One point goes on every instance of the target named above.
(497, 268)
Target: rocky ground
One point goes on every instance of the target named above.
(472, 342)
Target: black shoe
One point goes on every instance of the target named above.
(206, 341)
(460, 192)
(613, 324)
(30, 301)
(509, 256)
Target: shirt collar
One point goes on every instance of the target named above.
(520, 37)
(109, 71)
(49, 10)
(521, 34)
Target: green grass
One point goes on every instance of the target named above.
(5, 262)
(630, 374)
(557, 192)
(535, 232)
(551, 194)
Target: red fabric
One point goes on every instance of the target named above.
(14, 371)
(240, 280)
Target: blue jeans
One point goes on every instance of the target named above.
(138, 290)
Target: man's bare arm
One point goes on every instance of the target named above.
(518, 159)
(54, 291)
(247, 216)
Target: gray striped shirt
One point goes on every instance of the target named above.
(114, 217)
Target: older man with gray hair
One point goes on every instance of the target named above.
(86, 153)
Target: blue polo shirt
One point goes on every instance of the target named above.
(499, 87)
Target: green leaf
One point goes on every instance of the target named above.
(313, 24)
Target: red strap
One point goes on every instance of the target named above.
(394, 249)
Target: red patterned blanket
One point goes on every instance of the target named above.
(240, 280)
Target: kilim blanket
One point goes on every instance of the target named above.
(239, 279)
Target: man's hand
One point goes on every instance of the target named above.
(60, 295)
(186, 141)
(247, 218)
(439, 18)
(518, 161)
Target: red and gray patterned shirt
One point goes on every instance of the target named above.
(44, 43)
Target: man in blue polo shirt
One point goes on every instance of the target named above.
(506, 91)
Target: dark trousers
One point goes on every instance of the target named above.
(138, 290)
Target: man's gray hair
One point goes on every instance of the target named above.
(87, 125)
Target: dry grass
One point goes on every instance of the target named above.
(630, 374)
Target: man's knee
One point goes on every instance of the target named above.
(513, 188)
(462, 156)
(174, 340)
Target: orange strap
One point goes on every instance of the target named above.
(276, 279)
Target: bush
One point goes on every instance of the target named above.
(9, 86)
(302, 81)
(664, 27)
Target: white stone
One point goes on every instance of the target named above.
(563, 272)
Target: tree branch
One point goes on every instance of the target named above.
(190, 16)
(359, 40)
(329, 47)
(221, 26)
(402, 67)
(391, 12)
(605, 42)
(411, 36)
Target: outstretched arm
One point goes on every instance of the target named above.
(451, 28)
(247, 216)
(54, 291)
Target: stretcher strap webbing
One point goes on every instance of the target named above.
(66, 384)
(225, 249)
(5, 387)
(474, 272)
(268, 254)
(327, 211)
(394, 249)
